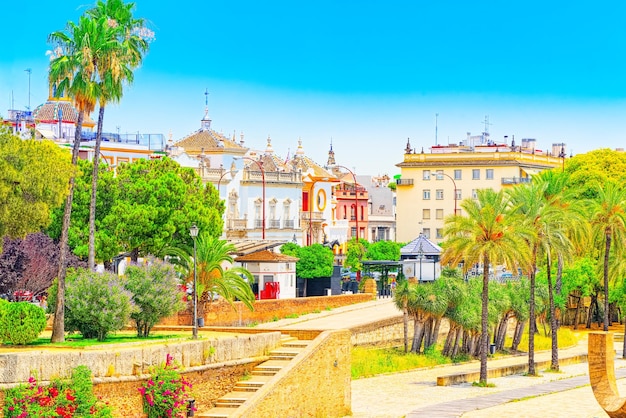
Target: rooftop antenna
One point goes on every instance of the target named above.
(436, 127)
(29, 71)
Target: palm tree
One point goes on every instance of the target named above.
(550, 222)
(608, 223)
(213, 255)
(489, 234)
(123, 50)
(71, 71)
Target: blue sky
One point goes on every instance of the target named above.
(366, 75)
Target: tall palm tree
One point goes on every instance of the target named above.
(490, 234)
(122, 52)
(549, 222)
(71, 71)
(608, 223)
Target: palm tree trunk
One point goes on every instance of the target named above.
(58, 325)
(532, 317)
(484, 323)
(553, 328)
(91, 258)
(455, 346)
(607, 249)
(405, 312)
(517, 335)
(418, 334)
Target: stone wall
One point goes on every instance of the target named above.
(134, 359)
(316, 384)
(223, 314)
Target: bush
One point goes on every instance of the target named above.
(60, 399)
(165, 394)
(155, 291)
(95, 303)
(21, 322)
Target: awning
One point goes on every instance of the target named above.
(46, 133)
(244, 247)
(530, 171)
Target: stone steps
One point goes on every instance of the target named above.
(260, 375)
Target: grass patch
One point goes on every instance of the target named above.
(328, 308)
(566, 338)
(484, 384)
(77, 340)
(370, 362)
(292, 316)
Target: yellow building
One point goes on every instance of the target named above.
(433, 184)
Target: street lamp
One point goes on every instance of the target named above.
(356, 201)
(193, 231)
(562, 156)
(260, 165)
(454, 183)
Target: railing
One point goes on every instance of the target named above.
(258, 223)
(275, 223)
(312, 216)
(237, 224)
(404, 182)
(515, 180)
(290, 224)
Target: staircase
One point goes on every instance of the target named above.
(262, 374)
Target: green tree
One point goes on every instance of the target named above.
(155, 292)
(383, 250)
(123, 52)
(28, 193)
(608, 222)
(313, 261)
(355, 254)
(401, 299)
(71, 71)
(158, 201)
(490, 234)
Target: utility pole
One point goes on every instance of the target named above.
(29, 71)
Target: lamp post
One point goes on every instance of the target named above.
(454, 183)
(193, 231)
(260, 165)
(562, 156)
(356, 201)
(219, 182)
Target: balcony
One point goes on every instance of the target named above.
(515, 180)
(237, 224)
(290, 224)
(258, 223)
(274, 223)
(404, 182)
(312, 216)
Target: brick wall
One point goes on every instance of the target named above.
(223, 314)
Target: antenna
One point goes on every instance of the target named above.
(29, 71)
(436, 126)
(487, 124)
(206, 98)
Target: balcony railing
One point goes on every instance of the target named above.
(515, 180)
(290, 224)
(237, 224)
(275, 223)
(312, 216)
(258, 223)
(404, 182)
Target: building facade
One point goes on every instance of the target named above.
(432, 185)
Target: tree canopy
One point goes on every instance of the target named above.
(314, 261)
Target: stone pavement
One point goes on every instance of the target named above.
(414, 394)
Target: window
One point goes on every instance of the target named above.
(439, 213)
(425, 213)
(426, 175)
(426, 194)
(439, 194)
(439, 174)
(457, 174)
(439, 233)
(426, 232)
(459, 195)
(474, 194)
(475, 174)
(489, 173)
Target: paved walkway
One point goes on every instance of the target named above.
(414, 394)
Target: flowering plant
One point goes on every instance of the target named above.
(166, 393)
(63, 399)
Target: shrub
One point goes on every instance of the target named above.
(21, 322)
(155, 292)
(95, 303)
(60, 399)
(165, 394)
